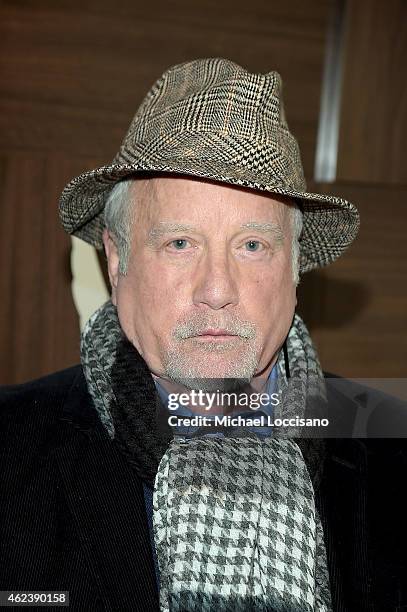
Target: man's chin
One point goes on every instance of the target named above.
(197, 369)
(212, 376)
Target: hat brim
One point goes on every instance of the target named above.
(330, 223)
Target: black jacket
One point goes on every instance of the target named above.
(73, 515)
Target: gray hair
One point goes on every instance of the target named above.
(119, 218)
(296, 227)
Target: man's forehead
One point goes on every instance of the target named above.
(165, 198)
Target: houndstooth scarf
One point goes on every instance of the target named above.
(235, 523)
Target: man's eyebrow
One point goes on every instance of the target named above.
(265, 228)
(166, 227)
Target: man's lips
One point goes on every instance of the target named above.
(215, 334)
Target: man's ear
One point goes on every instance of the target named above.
(112, 257)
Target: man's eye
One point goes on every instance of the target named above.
(179, 244)
(253, 245)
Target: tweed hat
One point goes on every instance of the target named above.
(213, 119)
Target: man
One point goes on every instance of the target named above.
(206, 224)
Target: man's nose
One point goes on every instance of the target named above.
(215, 282)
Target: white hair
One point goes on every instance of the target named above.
(296, 229)
(119, 217)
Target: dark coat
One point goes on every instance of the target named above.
(73, 514)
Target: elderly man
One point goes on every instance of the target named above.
(206, 224)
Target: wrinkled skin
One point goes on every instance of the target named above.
(205, 257)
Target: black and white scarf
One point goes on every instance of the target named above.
(235, 523)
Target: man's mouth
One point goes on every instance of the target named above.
(215, 335)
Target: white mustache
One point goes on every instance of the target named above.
(195, 326)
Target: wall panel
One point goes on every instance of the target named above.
(39, 329)
(373, 129)
(356, 308)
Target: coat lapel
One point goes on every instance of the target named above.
(106, 499)
(342, 504)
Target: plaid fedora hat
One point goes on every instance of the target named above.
(213, 119)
